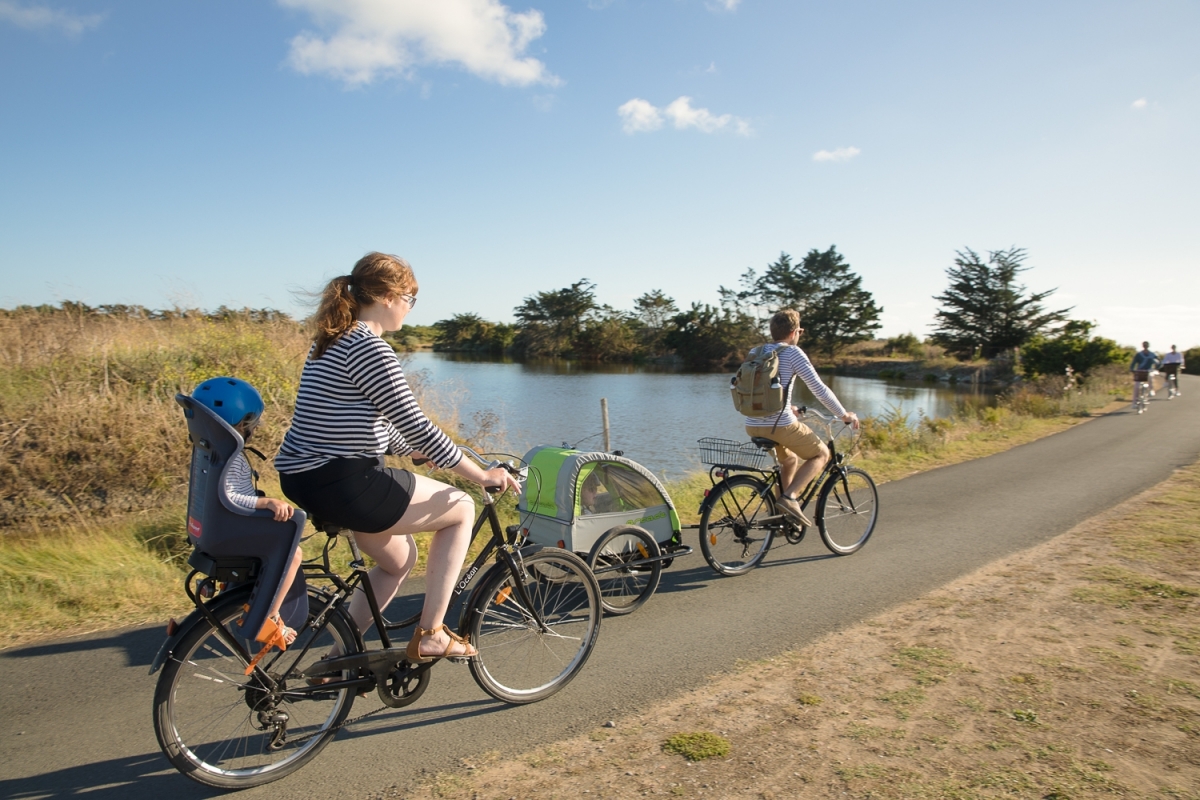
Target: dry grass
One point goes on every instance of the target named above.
(88, 422)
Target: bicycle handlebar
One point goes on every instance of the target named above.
(520, 473)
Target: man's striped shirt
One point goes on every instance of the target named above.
(793, 361)
(354, 401)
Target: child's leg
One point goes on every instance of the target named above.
(289, 576)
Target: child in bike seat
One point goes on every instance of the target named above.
(240, 404)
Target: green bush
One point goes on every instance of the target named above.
(697, 746)
(1071, 348)
(906, 344)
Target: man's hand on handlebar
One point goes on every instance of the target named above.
(851, 419)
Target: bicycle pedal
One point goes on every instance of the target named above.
(458, 659)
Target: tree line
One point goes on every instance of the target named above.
(569, 322)
(985, 312)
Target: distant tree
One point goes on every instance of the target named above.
(1072, 347)
(548, 323)
(610, 335)
(834, 308)
(706, 337)
(906, 344)
(471, 332)
(985, 311)
(654, 310)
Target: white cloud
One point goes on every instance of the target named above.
(840, 154)
(1139, 104)
(366, 39)
(728, 5)
(41, 17)
(640, 116)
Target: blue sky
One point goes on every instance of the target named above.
(240, 151)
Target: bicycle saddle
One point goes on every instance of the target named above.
(763, 442)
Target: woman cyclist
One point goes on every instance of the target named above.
(353, 407)
(1172, 364)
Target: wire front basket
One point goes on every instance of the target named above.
(733, 455)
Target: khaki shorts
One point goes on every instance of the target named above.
(794, 440)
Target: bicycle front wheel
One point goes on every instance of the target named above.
(625, 584)
(847, 510)
(733, 536)
(223, 728)
(527, 654)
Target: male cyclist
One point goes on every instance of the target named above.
(1143, 361)
(801, 453)
(1172, 365)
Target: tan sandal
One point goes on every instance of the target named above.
(413, 651)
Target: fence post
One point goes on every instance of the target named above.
(604, 419)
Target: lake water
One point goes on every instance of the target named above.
(655, 416)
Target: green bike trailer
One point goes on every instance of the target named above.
(610, 510)
(572, 498)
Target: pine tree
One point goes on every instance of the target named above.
(834, 308)
(985, 311)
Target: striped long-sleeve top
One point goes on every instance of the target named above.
(354, 401)
(239, 483)
(793, 361)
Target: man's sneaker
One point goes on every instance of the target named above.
(792, 508)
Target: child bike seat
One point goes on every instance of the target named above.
(232, 543)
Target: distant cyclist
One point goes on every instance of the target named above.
(1144, 360)
(1172, 365)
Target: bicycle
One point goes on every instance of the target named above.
(534, 617)
(738, 517)
(1141, 396)
(1172, 385)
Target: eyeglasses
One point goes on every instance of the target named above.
(411, 299)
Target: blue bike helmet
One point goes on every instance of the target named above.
(231, 399)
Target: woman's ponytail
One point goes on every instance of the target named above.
(337, 313)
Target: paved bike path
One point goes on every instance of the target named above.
(77, 712)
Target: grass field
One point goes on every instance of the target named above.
(1065, 672)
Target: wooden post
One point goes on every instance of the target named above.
(604, 419)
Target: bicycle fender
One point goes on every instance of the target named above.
(237, 595)
(472, 603)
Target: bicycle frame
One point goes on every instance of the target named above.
(383, 660)
(771, 477)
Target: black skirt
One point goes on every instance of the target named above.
(356, 493)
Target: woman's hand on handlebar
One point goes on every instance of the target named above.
(851, 419)
(501, 478)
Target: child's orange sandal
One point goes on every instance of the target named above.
(413, 651)
(274, 633)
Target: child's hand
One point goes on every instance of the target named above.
(281, 510)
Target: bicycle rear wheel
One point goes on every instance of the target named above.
(519, 660)
(733, 536)
(847, 509)
(223, 728)
(624, 588)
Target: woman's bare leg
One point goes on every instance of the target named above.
(449, 513)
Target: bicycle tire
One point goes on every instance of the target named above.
(732, 537)
(847, 510)
(519, 663)
(210, 718)
(624, 589)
